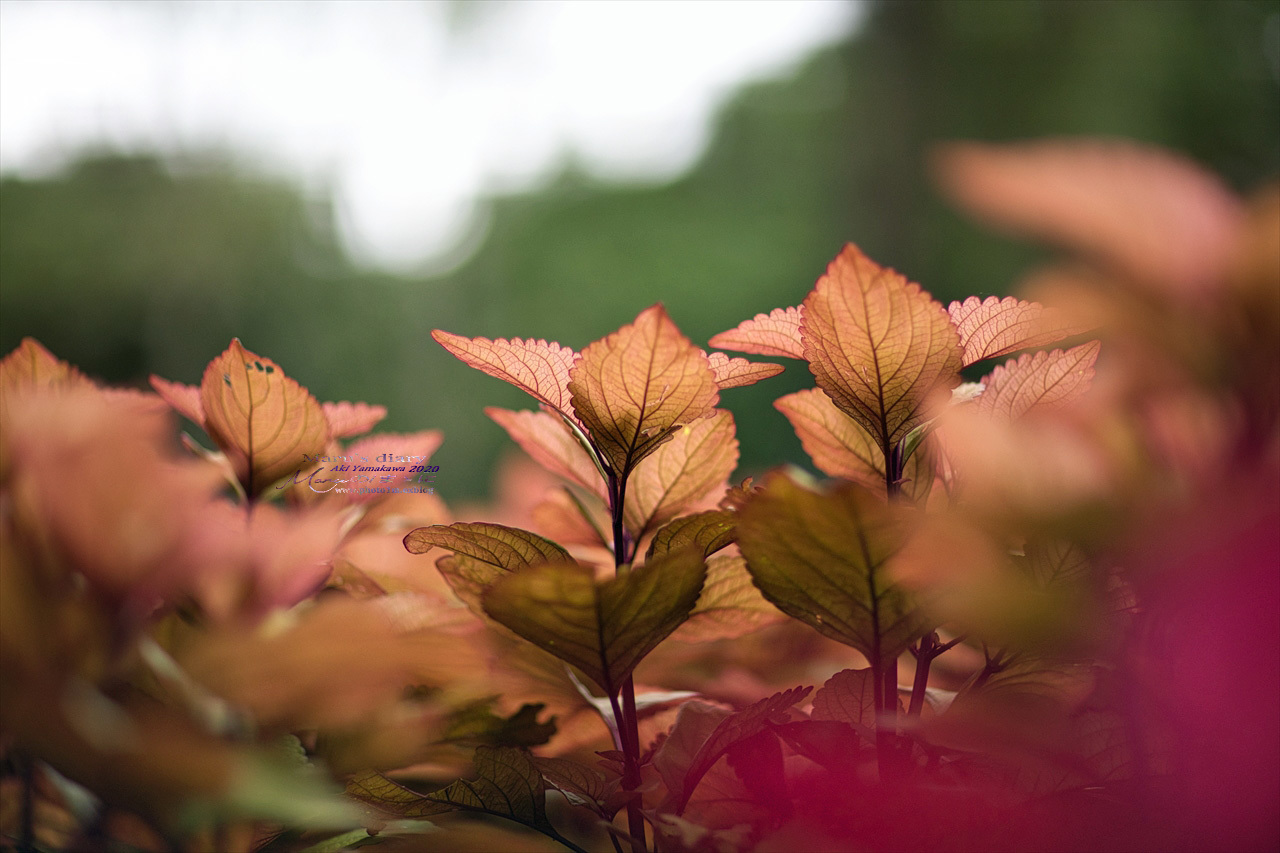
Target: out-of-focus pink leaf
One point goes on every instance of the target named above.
(993, 327)
(184, 399)
(774, 334)
(348, 419)
(552, 445)
(1153, 214)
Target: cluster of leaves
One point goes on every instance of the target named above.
(1001, 585)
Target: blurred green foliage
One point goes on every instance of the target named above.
(130, 265)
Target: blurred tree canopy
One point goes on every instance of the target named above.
(132, 264)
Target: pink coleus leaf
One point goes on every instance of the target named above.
(266, 423)
(633, 388)
(184, 399)
(1155, 215)
(993, 327)
(348, 419)
(774, 334)
(738, 372)
(539, 368)
(389, 450)
(551, 444)
(878, 345)
(694, 465)
(1039, 380)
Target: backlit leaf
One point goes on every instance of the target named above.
(696, 462)
(774, 334)
(634, 387)
(848, 697)
(469, 578)
(538, 368)
(1057, 562)
(1155, 215)
(31, 366)
(730, 605)
(509, 548)
(709, 531)
(506, 784)
(550, 443)
(579, 783)
(732, 730)
(993, 327)
(837, 444)
(878, 345)
(603, 627)
(348, 419)
(738, 372)
(821, 558)
(1039, 380)
(266, 423)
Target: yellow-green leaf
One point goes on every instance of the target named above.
(708, 531)
(684, 471)
(266, 423)
(878, 345)
(821, 558)
(632, 388)
(602, 627)
(509, 548)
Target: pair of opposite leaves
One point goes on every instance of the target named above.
(879, 347)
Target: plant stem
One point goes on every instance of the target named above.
(27, 832)
(628, 722)
(928, 651)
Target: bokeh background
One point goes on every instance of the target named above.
(548, 169)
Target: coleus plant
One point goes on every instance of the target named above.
(630, 422)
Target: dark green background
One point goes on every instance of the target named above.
(130, 265)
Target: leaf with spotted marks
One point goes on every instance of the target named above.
(266, 423)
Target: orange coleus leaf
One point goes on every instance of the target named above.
(32, 366)
(840, 447)
(633, 388)
(538, 368)
(603, 627)
(1155, 215)
(823, 558)
(993, 327)
(265, 422)
(878, 345)
(730, 605)
(738, 372)
(774, 334)
(1039, 380)
(694, 464)
(551, 444)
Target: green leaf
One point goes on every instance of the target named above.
(707, 531)
(477, 724)
(821, 557)
(878, 345)
(633, 388)
(603, 627)
(506, 784)
(508, 548)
